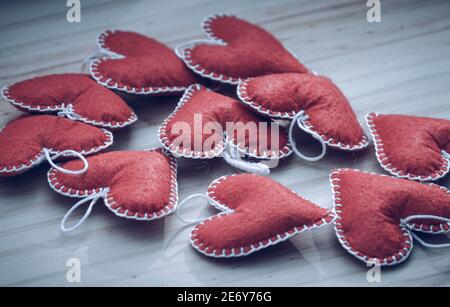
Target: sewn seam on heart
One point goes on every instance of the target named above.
(387, 165)
(69, 109)
(112, 204)
(213, 40)
(117, 85)
(246, 250)
(40, 157)
(403, 253)
(217, 151)
(243, 96)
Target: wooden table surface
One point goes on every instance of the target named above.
(400, 65)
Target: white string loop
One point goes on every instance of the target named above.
(65, 153)
(232, 157)
(179, 49)
(404, 222)
(180, 205)
(68, 112)
(446, 155)
(93, 198)
(298, 120)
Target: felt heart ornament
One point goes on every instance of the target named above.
(313, 103)
(28, 140)
(411, 147)
(378, 215)
(206, 124)
(237, 50)
(75, 96)
(140, 185)
(257, 212)
(133, 63)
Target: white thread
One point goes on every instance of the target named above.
(404, 223)
(179, 49)
(446, 155)
(298, 120)
(234, 159)
(93, 198)
(178, 214)
(68, 112)
(65, 153)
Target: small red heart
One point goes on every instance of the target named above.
(140, 65)
(22, 141)
(284, 95)
(239, 50)
(258, 212)
(86, 100)
(139, 185)
(370, 209)
(411, 147)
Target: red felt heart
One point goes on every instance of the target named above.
(186, 131)
(328, 110)
(372, 209)
(75, 95)
(140, 65)
(23, 140)
(238, 50)
(258, 212)
(138, 185)
(411, 147)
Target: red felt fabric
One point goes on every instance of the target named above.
(147, 63)
(328, 109)
(89, 99)
(23, 139)
(250, 51)
(372, 206)
(413, 145)
(263, 209)
(139, 181)
(216, 108)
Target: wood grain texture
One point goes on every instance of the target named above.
(400, 65)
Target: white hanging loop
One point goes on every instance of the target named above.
(446, 155)
(65, 153)
(232, 157)
(67, 111)
(93, 198)
(404, 223)
(298, 120)
(180, 205)
(179, 49)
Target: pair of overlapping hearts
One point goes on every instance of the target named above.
(374, 215)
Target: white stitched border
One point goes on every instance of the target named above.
(398, 257)
(257, 245)
(116, 85)
(40, 157)
(217, 151)
(383, 158)
(109, 200)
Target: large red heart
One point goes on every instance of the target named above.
(238, 50)
(329, 113)
(257, 212)
(139, 185)
(140, 65)
(23, 141)
(411, 147)
(202, 108)
(75, 95)
(376, 214)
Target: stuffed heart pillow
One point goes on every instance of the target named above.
(139, 185)
(315, 102)
(28, 140)
(76, 96)
(205, 123)
(377, 215)
(257, 212)
(237, 50)
(140, 65)
(411, 147)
